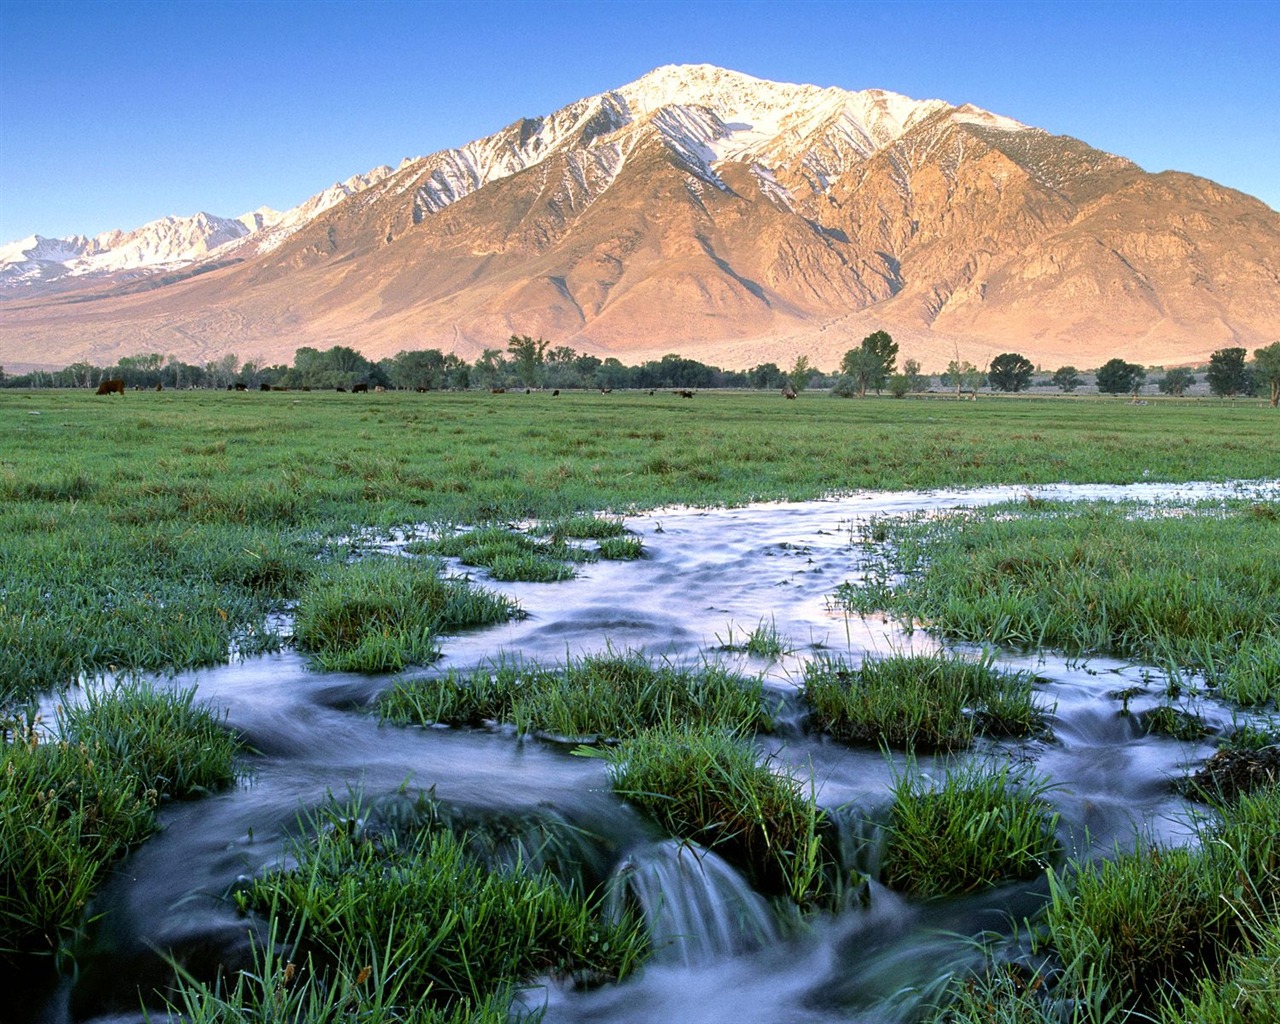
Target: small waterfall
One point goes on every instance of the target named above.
(696, 906)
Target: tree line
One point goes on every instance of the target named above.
(536, 363)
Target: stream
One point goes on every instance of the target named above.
(708, 577)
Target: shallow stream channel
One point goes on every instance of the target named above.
(721, 952)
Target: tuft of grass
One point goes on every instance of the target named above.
(607, 696)
(926, 702)
(982, 826)
(76, 803)
(455, 928)
(382, 613)
(621, 549)
(1167, 720)
(764, 641)
(1156, 921)
(584, 527)
(509, 555)
(711, 789)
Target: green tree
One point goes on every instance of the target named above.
(1117, 377)
(800, 373)
(916, 380)
(885, 349)
(1010, 371)
(1267, 370)
(528, 356)
(766, 375)
(418, 368)
(863, 368)
(964, 375)
(490, 368)
(1227, 374)
(899, 385)
(1067, 378)
(1176, 381)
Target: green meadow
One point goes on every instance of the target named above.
(154, 532)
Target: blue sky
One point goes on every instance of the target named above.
(113, 114)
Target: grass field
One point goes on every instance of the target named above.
(159, 531)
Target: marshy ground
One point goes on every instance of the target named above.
(811, 892)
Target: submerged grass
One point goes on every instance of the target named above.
(926, 702)
(382, 613)
(1192, 587)
(712, 789)
(606, 696)
(455, 930)
(75, 803)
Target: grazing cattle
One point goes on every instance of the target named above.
(111, 387)
(241, 387)
(340, 388)
(380, 389)
(357, 389)
(683, 393)
(422, 391)
(159, 386)
(788, 392)
(606, 391)
(264, 386)
(497, 391)
(555, 393)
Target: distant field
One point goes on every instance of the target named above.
(155, 529)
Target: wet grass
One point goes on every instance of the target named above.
(1159, 921)
(597, 697)
(764, 641)
(382, 613)
(983, 825)
(1190, 588)
(124, 527)
(507, 554)
(712, 789)
(449, 929)
(75, 803)
(919, 702)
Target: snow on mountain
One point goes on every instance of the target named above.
(790, 136)
(705, 115)
(170, 242)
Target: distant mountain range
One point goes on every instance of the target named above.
(699, 211)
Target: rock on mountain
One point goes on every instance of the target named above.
(701, 211)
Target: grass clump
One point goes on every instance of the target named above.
(380, 614)
(1180, 724)
(621, 549)
(508, 555)
(76, 803)
(764, 641)
(711, 789)
(453, 929)
(1160, 921)
(585, 528)
(606, 696)
(926, 702)
(982, 826)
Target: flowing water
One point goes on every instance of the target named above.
(708, 578)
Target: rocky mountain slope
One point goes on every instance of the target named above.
(699, 211)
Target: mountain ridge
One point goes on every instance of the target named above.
(708, 212)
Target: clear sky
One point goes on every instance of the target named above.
(116, 113)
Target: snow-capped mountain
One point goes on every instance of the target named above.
(169, 243)
(696, 210)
